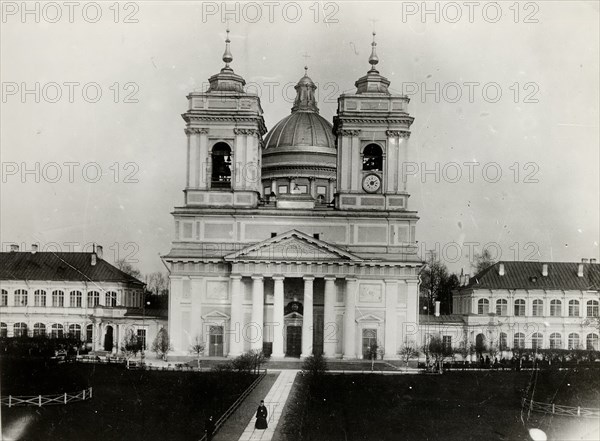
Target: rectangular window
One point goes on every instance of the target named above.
(141, 335)
(321, 190)
(4, 297)
(267, 191)
(282, 189)
(447, 341)
(302, 189)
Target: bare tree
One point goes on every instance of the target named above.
(482, 261)
(128, 268)
(408, 351)
(438, 351)
(157, 283)
(198, 347)
(162, 344)
(131, 345)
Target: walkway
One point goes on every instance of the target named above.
(275, 402)
(237, 422)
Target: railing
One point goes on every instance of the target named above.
(555, 409)
(43, 400)
(235, 405)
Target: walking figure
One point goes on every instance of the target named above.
(209, 428)
(261, 416)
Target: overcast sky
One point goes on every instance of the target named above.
(542, 132)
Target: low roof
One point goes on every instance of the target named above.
(60, 266)
(528, 275)
(447, 318)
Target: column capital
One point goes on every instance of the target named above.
(235, 276)
(308, 278)
(257, 277)
(330, 278)
(391, 280)
(351, 279)
(278, 278)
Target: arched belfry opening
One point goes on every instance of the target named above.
(372, 158)
(221, 165)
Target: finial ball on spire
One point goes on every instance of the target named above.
(227, 57)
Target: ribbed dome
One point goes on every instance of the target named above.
(301, 129)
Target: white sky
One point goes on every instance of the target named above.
(173, 49)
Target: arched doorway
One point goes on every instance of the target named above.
(215, 346)
(108, 339)
(369, 343)
(480, 344)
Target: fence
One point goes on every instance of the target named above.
(44, 400)
(235, 405)
(555, 409)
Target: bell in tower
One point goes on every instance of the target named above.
(224, 127)
(372, 130)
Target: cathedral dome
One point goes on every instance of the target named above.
(301, 144)
(301, 129)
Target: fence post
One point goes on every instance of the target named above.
(83, 394)
(552, 407)
(65, 398)
(39, 401)
(90, 392)
(578, 411)
(9, 400)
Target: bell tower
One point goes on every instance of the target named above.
(372, 127)
(224, 128)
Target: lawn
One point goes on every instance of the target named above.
(132, 405)
(479, 405)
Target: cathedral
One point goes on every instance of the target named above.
(299, 239)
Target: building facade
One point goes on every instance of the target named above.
(61, 293)
(532, 305)
(300, 239)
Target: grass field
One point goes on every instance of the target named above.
(131, 405)
(479, 405)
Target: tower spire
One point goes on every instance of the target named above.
(227, 57)
(373, 59)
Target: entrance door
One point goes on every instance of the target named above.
(108, 339)
(369, 342)
(294, 341)
(215, 347)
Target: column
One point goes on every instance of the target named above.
(307, 320)
(330, 332)
(391, 330)
(278, 323)
(236, 320)
(258, 300)
(349, 319)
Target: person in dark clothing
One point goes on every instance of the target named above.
(487, 361)
(261, 416)
(209, 428)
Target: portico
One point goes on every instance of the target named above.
(330, 299)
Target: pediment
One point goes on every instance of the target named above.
(292, 246)
(369, 318)
(215, 315)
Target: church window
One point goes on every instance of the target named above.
(221, 166)
(372, 158)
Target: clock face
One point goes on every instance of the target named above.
(371, 183)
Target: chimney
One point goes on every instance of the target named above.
(99, 251)
(34, 248)
(93, 262)
(580, 270)
(14, 248)
(584, 260)
(501, 269)
(593, 260)
(437, 309)
(545, 270)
